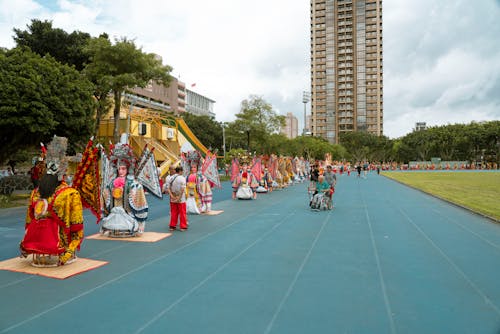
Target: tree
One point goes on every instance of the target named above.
(40, 97)
(358, 144)
(120, 66)
(492, 141)
(276, 143)
(257, 120)
(43, 39)
(420, 143)
(206, 129)
(312, 148)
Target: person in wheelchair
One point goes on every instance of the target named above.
(322, 197)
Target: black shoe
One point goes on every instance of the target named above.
(172, 229)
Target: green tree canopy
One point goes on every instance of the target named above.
(255, 122)
(40, 97)
(206, 129)
(43, 39)
(119, 66)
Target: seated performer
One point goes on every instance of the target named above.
(54, 220)
(246, 184)
(266, 182)
(321, 199)
(124, 200)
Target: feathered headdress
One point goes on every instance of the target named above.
(55, 157)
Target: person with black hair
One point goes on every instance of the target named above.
(176, 188)
(54, 219)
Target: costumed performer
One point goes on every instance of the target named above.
(246, 184)
(125, 206)
(192, 194)
(54, 220)
(198, 187)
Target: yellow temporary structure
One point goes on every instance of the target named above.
(159, 130)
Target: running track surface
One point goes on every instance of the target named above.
(387, 259)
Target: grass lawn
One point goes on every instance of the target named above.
(478, 191)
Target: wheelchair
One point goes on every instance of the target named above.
(319, 201)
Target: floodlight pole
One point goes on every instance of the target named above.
(306, 96)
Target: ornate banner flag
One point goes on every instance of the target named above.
(235, 169)
(210, 171)
(273, 166)
(86, 180)
(257, 168)
(148, 173)
(107, 172)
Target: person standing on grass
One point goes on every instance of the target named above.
(176, 188)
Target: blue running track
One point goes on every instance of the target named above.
(387, 259)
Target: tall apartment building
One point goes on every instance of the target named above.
(291, 128)
(346, 67)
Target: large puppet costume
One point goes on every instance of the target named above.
(243, 180)
(202, 177)
(54, 220)
(266, 182)
(125, 206)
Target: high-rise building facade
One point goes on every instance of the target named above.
(346, 67)
(291, 128)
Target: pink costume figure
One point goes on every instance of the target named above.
(198, 192)
(192, 194)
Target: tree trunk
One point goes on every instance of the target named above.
(116, 115)
(101, 110)
(248, 141)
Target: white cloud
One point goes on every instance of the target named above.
(440, 57)
(440, 63)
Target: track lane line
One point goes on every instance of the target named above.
(487, 300)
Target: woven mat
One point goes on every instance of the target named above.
(145, 237)
(213, 212)
(23, 265)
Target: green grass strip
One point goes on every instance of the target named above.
(477, 191)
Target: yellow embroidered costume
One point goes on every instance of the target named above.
(54, 226)
(54, 220)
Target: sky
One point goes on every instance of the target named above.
(441, 58)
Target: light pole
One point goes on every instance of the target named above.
(306, 96)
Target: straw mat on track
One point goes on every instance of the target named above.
(145, 237)
(23, 265)
(213, 212)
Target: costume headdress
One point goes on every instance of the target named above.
(245, 159)
(55, 157)
(191, 159)
(121, 154)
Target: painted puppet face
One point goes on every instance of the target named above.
(122, 171)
